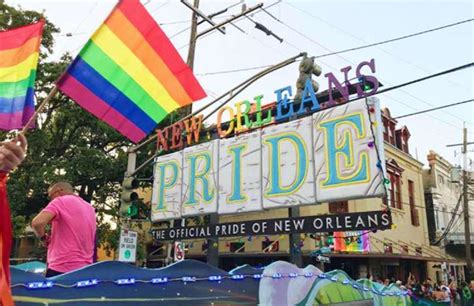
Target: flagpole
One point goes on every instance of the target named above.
(51, 95)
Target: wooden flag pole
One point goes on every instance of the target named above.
(51, 95)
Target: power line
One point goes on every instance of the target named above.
(360, 39)
(350, 49)
(450, 223)
(363, 40)
(345, 59)
(435, 108)
(187, 28)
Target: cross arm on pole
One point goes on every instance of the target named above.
(229, 20)
(203, 16)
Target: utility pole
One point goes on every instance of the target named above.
(212, 256)
(192, 37)
(467, 230)
(296, 257)
(465, 195)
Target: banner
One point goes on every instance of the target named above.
(351, 241)
(329, 156)
(312, 224)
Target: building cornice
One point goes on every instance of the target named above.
(399, 153)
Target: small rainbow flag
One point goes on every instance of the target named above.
(351, 241)
(19, 53)
(129, 74)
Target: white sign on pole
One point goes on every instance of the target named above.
(128, 246)
(179, 251)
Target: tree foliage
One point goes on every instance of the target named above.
(68, 144)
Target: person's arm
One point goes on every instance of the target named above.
(40, 221)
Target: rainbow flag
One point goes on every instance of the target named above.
(351, 241)
(19, 52)
(129, 74)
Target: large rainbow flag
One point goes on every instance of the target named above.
(129, 74)
(19, 52)
(351, 241)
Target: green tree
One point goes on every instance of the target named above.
(68, 144)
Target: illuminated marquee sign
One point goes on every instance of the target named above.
(329, 156)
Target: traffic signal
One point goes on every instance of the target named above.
(129, 197)
(364, 84)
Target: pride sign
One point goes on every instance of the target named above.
(329, 156)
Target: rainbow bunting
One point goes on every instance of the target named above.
(129, 74)
(19, 53)
(351, 241)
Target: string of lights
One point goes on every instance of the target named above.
(212, 278)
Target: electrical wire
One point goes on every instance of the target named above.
(342, 30)
(345, 59)
(347, 50)
(450, 223)
(337, 28)
(435, 108)
(235, 21)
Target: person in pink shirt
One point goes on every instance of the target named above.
(71, 244)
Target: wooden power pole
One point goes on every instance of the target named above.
(465, 195)
(467, 230)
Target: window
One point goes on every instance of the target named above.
(415, 218)
(394, 194)
(441, 180)
(404, 249)
(411, 194)
(385, 130)
(269, 246)
(237, 247)
(418, 251)
(338, 207)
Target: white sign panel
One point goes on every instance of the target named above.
(240, 165)
(166, 196)
(200, 191)
(288, 177)
(345, 153)
(336, 154)
(128, 246)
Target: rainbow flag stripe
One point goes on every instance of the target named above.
(351, 241)
(129, 74)
(19, 53)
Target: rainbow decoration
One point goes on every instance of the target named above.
(129, 74)
(351, 241)
(19, 53)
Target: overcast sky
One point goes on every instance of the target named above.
(319, 27)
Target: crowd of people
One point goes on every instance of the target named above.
(442, 292)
